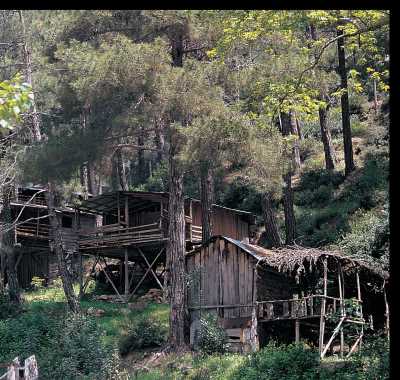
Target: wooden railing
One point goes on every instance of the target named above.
(115, 235)
(297, 308)
(37, 200)
(29, 370)
(33, 229)
(197, 232)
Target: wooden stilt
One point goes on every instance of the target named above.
(151, 270)
(80, 274)
(322, 313)
(144, 276)
(360, 306)
(126, 292)
(342, 311)
(112, 283)
(90, 273)
(337, 329)
(297, 331)
(387, 330)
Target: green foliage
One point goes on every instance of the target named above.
(145, 333)
(292, 362)
(8, 309)
(66, 348)
(369, 235)
(15, 98)
(212, 338)
(37, 283)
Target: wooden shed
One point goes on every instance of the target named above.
(31, 235)
(254, 291)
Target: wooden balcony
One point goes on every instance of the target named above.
(116, 235)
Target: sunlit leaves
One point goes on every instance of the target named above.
(15, 98)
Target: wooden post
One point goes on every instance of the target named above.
(322, 313)
(118, 209)
(360, 305)
(342, 312)
(126, 211)
(31, 369)
(297, 331)
(126, 275)
(386, 310)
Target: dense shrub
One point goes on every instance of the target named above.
(8, 309)
(212, 338)
(66, 347)
(146, 332)
(369, 235)
(292, 362)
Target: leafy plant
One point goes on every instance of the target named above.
(146, 332)
(211, 337)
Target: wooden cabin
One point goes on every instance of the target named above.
(134, 228)
(258, 294)
(31, 234)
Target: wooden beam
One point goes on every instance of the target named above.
(112, 283)
(297, 330)
(387, 326)
(355, 345)
(126, 292)
(90, 273)
(342, 311)
(144, 276)
(151, 270)
(323, 306)
(337, 329)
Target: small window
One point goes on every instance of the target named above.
(66, 222)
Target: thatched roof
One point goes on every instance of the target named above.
(296, 260)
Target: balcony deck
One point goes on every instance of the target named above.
(118, 235)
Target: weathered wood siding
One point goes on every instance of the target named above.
(225, 222)
(221, 275)
(33, 264)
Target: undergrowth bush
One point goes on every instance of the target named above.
(211, 337)
(8, 309)
(146, 332)
(66, 346)
(291, 362)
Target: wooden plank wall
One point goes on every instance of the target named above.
(225, 222)
(226, 278)
(32, 264)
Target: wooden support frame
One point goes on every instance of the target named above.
(82, 291)
(151, 270)
(111, 281)
(387, 326)
(126, 267)
(335, 332)
(342, 310)
(144, 276)
(323, 306)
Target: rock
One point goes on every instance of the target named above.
(138, 306)
(125, 311)
(95, 312)
(153, 295)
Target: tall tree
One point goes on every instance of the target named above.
(344, 101)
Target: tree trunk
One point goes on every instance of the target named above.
(329, 151)
(55, 233)
(7, 247)
(141, 165)
(347, 143)
(176, 248)
(121, 171)
(290, 221)
(271, 227)
(299, 129)
(159, 139)
(36, 135)
(56, 245)
(206, 185)
(296, 148)
(176, 255)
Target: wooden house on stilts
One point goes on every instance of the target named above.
(259, 294)
(134, 230)
(31, 230)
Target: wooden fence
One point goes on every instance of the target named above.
(17, 372)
